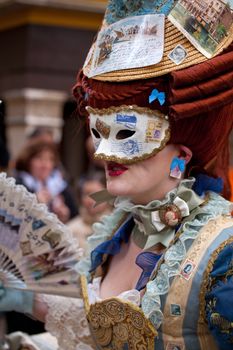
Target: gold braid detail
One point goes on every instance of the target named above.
(114, 322)
(206, 279)
(126, 108)
(83, 282)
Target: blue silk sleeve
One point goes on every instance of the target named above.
(219, 299)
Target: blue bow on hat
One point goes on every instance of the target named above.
(155, 94)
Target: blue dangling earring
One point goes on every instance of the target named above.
(177, 167)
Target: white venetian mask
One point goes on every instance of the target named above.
(127, 134)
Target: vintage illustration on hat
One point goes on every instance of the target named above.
(143, 39)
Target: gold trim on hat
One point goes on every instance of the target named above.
(126, 108)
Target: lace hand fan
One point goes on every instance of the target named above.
(37, 251)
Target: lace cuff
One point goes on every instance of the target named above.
(66, 320)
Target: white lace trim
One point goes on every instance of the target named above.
(151, 303)
(93, 289)
(66, 320)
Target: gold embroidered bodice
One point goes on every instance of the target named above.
(116, 323)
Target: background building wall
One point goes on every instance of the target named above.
(43, 45)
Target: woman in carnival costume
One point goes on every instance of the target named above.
(159, 274)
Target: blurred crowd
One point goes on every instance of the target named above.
(38, 167)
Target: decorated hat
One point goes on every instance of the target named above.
(161, 72)
(143, 39)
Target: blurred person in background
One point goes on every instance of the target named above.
(4, 157)
(36, 167)
(81, 225)
(95, 165)
(41, 133)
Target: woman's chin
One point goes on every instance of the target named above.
(116, 189)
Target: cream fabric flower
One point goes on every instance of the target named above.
(180, 204)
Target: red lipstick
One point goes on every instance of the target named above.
(115, 169)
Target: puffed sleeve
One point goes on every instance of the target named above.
(219, 299)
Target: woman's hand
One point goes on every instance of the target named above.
(60, 209)
(44, 196)
(16, 300)
(23, 301)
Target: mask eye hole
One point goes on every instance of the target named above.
(95, 133)
(124, 134)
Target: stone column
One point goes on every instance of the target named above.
(29, 108)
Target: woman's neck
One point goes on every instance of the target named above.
(157, 193)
